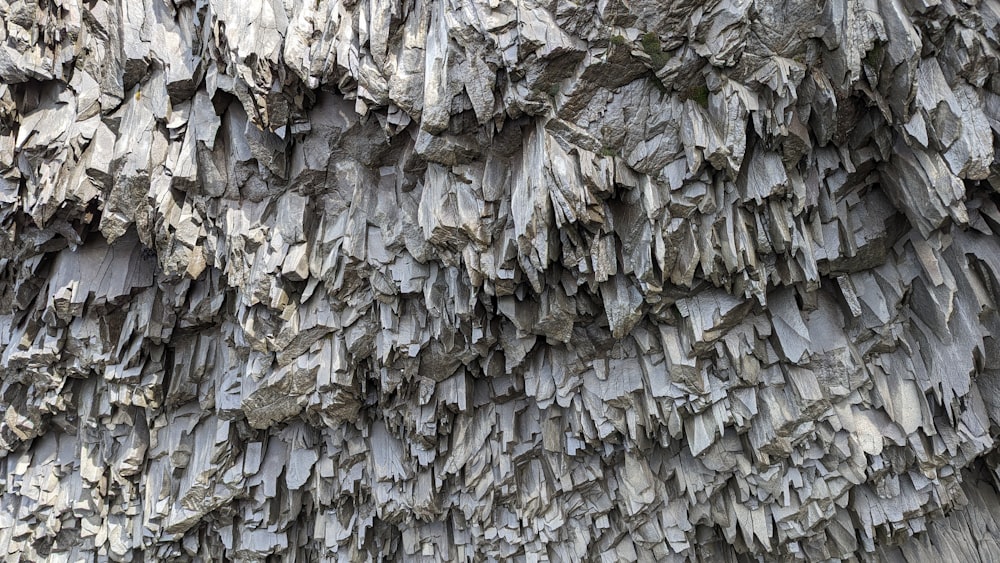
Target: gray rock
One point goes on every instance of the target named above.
(598, 281)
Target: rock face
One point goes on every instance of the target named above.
(499, 280)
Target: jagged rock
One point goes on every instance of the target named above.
(541, 281)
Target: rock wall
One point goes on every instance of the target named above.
(499, 280)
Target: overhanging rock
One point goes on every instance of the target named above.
(480, 281)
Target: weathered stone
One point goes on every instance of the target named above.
(540, 281)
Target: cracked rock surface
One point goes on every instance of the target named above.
(483, 280)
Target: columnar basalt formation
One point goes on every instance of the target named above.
(475, 280)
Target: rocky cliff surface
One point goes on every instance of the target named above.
(499, 280)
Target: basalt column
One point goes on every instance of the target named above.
(499, 280)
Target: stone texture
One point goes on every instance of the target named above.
(534, 281)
